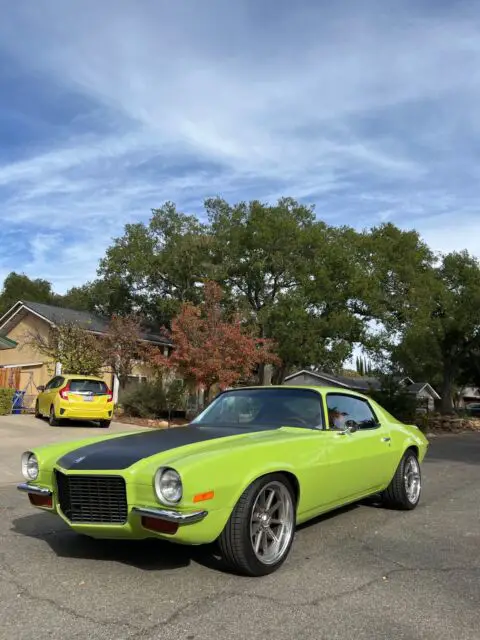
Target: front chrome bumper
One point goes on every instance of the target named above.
(171, 516)
(39, 491)
(161, 514)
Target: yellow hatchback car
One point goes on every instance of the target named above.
(75, 397)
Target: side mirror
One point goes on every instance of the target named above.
(350, 426)
(41, 388)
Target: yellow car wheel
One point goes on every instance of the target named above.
(52, 419)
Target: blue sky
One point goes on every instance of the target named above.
(367, 109)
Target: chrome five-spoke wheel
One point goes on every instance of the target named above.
(259, 533)
(404, 490)
(412, 479)
(271, 523)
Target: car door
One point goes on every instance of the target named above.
(361, 459)
(47, 397)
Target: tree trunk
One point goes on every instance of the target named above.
(279, 374)
(261, 366)
(446, 406)
(261, 374)
(206, 395)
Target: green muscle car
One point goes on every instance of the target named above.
(254, 464)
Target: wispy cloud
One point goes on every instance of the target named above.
(367, 109)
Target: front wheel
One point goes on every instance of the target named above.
(406, 486)
(37, 412)
(259, 533)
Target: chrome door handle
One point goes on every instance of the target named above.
(386, 439)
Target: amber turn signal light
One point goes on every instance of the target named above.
(200, 497)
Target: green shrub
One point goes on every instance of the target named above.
(6, 401)
(143, 401)
(154, 400)
(396, 400)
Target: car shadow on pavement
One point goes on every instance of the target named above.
(74, 424)
(330, 515)
(147, 555)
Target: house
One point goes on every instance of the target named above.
(22, 367)
(423, 391)
(468, 395)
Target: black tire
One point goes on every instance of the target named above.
(235, 542)
(396, 495)
(37, 412)
(52, 420)
(104, 424)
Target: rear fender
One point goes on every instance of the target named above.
(418, 443)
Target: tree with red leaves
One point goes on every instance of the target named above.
(123, 347)
(211, 348)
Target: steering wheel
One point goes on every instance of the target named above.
(294, 419)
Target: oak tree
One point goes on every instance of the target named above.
(18, 286)
(443, 341)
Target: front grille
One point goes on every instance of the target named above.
(92, 499)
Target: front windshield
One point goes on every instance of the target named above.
(274, 407)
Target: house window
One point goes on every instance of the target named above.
(134, 381)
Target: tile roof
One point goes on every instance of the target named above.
(84, 319)
(360, 383)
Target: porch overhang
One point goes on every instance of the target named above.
(6, 343)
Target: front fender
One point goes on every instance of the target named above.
(267, 470)
(226, 477)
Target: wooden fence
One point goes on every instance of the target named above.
(10, 378)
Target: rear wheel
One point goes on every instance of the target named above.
(259, 534)
(406, 486)
(105, 424)
(52, 419)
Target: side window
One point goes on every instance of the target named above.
(55, 382)
(344, 409)
(51, 384)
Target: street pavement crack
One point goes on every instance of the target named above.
(378, 556)
(201, 604)
(23, 591)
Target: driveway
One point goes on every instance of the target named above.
(363, 572)
(20, 432)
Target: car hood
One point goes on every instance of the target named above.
(125, 451)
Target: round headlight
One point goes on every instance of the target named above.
(29, 466)
(168, 486)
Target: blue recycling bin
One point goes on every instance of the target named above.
(18, 401)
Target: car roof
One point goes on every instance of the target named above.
(317, 388)
(78, 376)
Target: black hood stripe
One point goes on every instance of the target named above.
(123, 452)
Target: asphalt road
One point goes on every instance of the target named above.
(364, 572)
